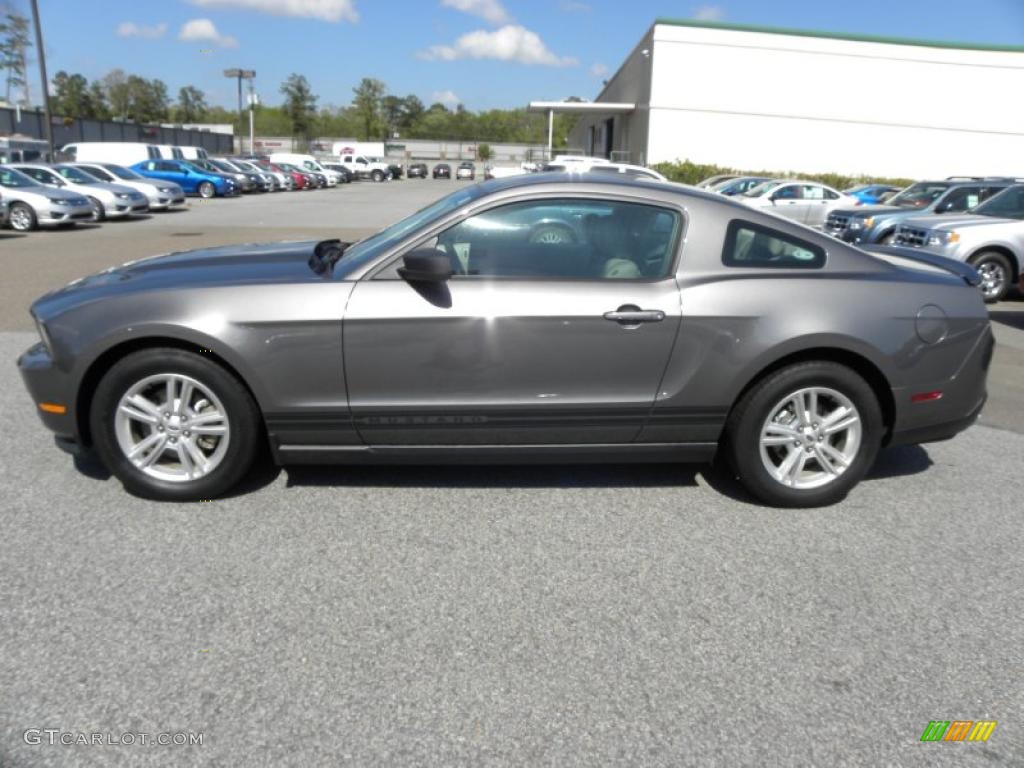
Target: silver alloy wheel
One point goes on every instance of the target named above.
(810, 438)
(172, 427)
(993, 278)
(206, 190)
(97, 209)
(21, 218)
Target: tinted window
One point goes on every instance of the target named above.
(1008, 205)
(751, 245)
(789, 192)
(559, 239)
(830, 195)
(813, 192)
(919, 195)
(961, 199)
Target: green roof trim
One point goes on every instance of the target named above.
(839, 35)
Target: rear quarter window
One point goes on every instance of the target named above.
(755, 246)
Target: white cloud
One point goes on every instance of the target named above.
(131, 29)
(204, 31)
(510, 43)
(488, 10)
(598, 70)
(709, 13)
(326, 10)
(448, 98)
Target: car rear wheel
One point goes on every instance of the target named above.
(22, 218)
(996, 274)
(207, 190)
(98, 212)
(377, 175)
(805, 435)
(172, 425)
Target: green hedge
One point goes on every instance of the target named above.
(691, 173)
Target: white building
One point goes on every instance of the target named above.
(761, 98)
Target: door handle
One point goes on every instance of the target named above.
(632, 315)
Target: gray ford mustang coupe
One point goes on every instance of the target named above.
(529, 319)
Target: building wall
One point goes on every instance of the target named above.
(630, 85)
(759, 100)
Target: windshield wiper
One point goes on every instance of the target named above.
(326, 254)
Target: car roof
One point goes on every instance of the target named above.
(592, 180)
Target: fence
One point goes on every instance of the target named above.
(66, 131)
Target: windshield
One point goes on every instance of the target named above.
(1008, 204)
(373, 245)
(918, 195)
(77, 175)
(761, 189)
(123, 173)
(221, 165)
(12, 178)
(203, 166)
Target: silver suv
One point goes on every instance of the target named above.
(877, 223)
(990, 237)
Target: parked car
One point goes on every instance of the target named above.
(125, 153)
(632, 171)
(4, 212)
(737, 186)
(268, 181)
(247, 181)
(195, 180)
(418, 171)
(466, 170)
(108, 201)
(160, 194)
(877, 223)
(373, 168)
(303, 179)
(989, 237)
(283, 182)
(31, 204)
(807, 202)
(345, 175)
(450, 322)
(306, 163)
(873, 194)
(711, 181)
(442, 171)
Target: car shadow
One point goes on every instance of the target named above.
(10, 235)
(1012, 319)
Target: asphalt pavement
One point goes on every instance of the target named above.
(535, 616)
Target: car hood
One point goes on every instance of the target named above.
(187, 270)
(29, 194)
(873, 210)
(947, 222)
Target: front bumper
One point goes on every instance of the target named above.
(46, 383)
(53, 217)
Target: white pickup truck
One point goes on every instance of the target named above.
(367, 167)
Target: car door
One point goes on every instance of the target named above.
(816, 203)
(788, 201)
(555, 328)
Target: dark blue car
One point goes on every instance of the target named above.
(193, 179)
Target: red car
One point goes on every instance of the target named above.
(300, 179)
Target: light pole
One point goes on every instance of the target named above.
(240, 75)
(42, 73)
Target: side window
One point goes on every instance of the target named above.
(565, 239)
(789, 192)
(987, 192)
(961, 199)
(347, 160)
(361, 160)
(308, 165)
(752, 245)
(830, 195)
(813, 192)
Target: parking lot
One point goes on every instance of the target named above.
(540, 615)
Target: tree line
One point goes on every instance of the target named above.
(374, 114)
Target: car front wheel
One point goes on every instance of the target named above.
(98, 212)
(22, 218)
(805, 435)
(174, 426)
(207, 190)
(995, 272)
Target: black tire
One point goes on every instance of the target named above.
(748, 417)
(377, 175)
(996, 272)
(206, 190)
(98, 212)
(25, 220)
(243, 419)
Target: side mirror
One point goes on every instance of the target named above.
(426, 265)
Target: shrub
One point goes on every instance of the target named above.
(686, 172)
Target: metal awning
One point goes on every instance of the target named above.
(577, 108)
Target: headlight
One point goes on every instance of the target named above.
(59, 201)
(167, 190)
(124, 196)
(943, 238)
(856, 223)
(43, 334)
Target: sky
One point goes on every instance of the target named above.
(481, 53)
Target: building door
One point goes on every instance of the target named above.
(609, 131)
